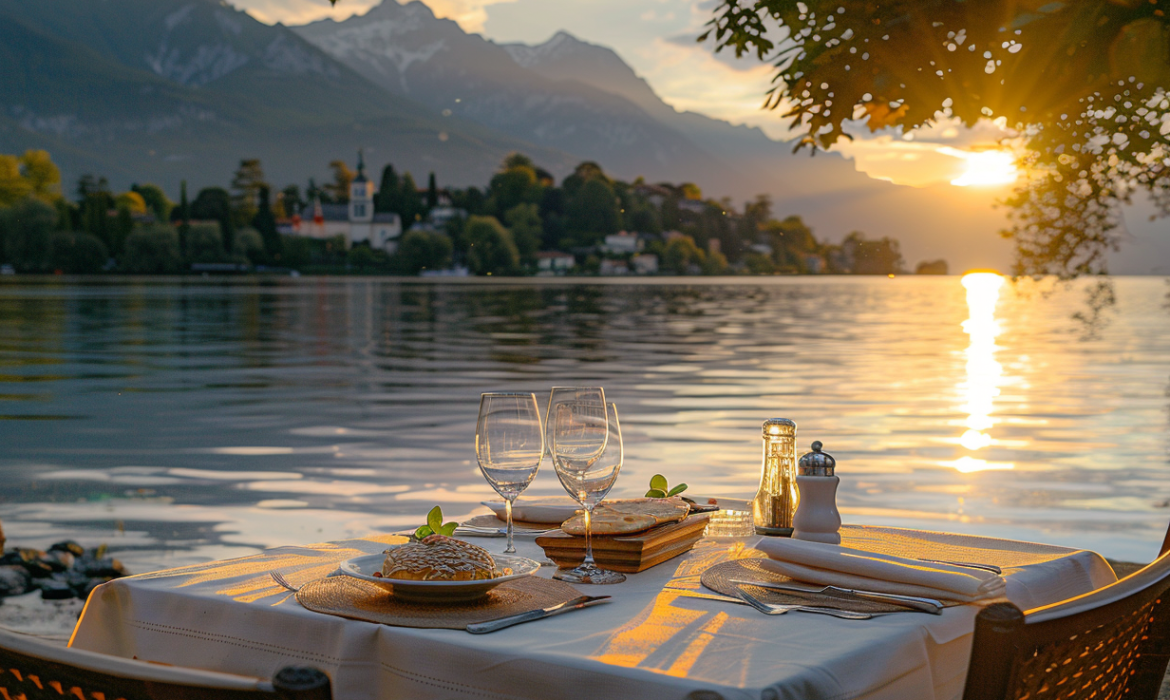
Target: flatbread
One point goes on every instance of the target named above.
(625, 517)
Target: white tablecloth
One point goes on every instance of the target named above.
(653, 641)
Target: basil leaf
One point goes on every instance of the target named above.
(677, 490)
(655, 493)
(423, 531)
(448, 529)
(435, 518)
(658, 482)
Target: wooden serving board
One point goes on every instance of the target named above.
(627, 553)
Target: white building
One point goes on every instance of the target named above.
(553, 262)
(357, 221)
(622, 243)
(645, 264)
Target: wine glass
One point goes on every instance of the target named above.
(564, 394)
(587, 455)
(509, 444)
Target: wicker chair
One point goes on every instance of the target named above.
(30, 669)
(1108, 644)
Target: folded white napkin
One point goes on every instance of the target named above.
(833, 565)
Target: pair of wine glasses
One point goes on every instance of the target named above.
(581, 434)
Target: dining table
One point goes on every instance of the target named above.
(661, 635)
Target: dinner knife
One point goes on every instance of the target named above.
(966, 565)
(927, 605)
(584, 601)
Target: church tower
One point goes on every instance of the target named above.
(361, 196)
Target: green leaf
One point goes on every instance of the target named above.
(435, 518)
(655, 493)
(448, 529)
(423, 531)
(677, 490)
(658, 482)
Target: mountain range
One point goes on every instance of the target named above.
(165, 90)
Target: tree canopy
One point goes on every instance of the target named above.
(1082, 83)
(32, 174)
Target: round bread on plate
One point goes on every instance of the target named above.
(439, 558)
(438, 570)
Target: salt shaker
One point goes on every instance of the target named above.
(775, 502)
(817, 518)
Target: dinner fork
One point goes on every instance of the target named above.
(276, 576)
(775, 609)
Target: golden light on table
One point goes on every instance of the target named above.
(984, 373)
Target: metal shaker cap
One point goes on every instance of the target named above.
(774, 427)
(817, 463)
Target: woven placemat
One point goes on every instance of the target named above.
(719, 579)
(360, 600)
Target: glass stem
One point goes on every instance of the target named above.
(588, 537)
(510, 549)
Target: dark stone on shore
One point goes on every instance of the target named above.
(14, 580)
(106, 567)
(58, 561)
(68, 546)
(56, 590)
(38, 569)
(65, 571)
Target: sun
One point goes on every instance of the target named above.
(984, 168)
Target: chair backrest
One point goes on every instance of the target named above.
(33, 669)
(1111, 643)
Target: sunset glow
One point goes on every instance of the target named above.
(985, 168)
(984, 373)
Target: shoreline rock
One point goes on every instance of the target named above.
(66, 570)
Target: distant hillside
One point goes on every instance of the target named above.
(411, 53)
(163, 90)
(583, 99)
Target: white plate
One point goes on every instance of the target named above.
(437, 591)
(552, 510)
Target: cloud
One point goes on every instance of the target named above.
(930, 156)
(470, 14)
(727, 57)
(291, 12)
(691, 78)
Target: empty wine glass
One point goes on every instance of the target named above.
(509, 444)
(564, 394)
(587, 455)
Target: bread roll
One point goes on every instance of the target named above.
(438, 558)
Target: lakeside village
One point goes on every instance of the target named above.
(522, 223)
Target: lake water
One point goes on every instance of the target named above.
(179, 421)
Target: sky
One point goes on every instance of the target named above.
(657, 38)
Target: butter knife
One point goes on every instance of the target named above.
(927, 605)
(584, 601)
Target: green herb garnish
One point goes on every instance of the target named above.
(660, 489)
(435, 525)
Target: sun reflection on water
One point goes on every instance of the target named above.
(984, 373)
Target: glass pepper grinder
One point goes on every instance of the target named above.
(817, 519)
(775, 503)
